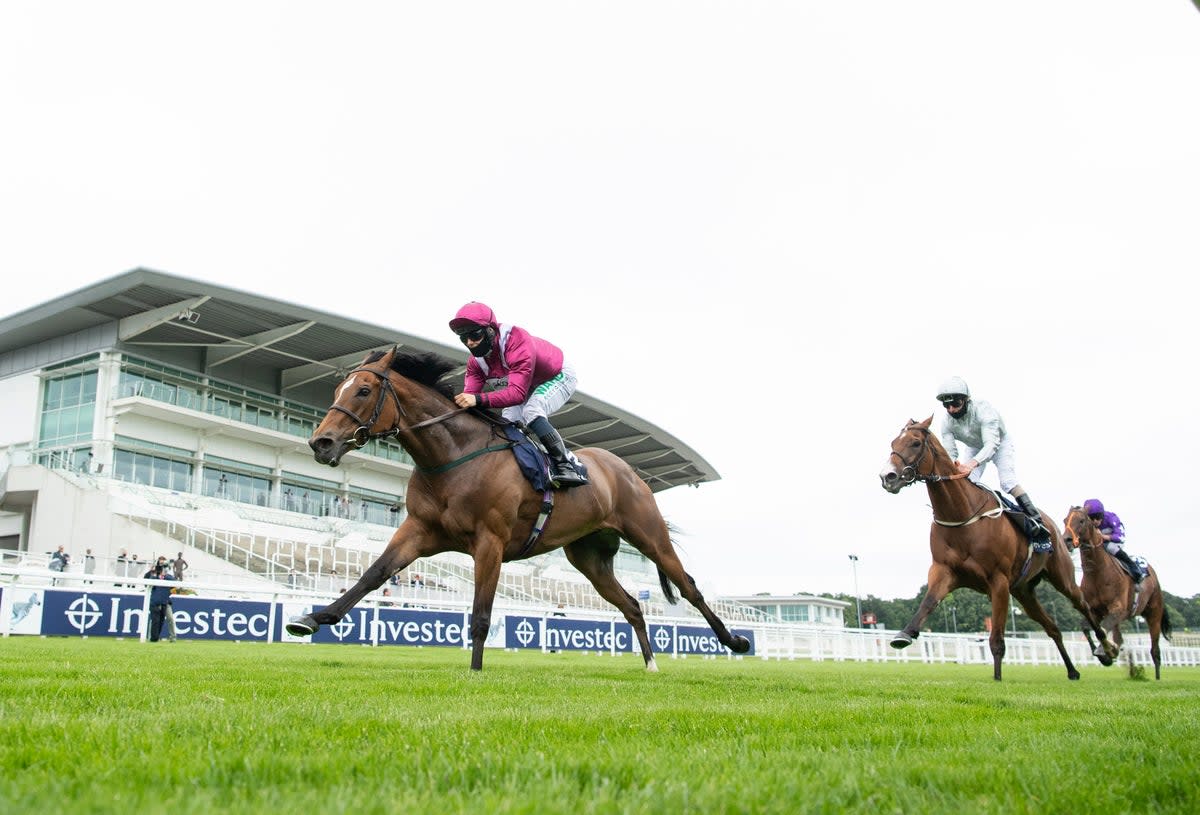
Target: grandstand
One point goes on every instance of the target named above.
(152, 414)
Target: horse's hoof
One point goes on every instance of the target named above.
(739, 644)
(302, 626)
(901, 640)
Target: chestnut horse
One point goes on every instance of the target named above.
(467, 495)
(975, 546)
(1110, 592)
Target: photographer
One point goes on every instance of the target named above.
(160, 598)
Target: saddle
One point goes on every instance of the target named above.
(531, 458)
(1014, 512)
(1141, 562)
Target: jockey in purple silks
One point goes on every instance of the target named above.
(527, 377)
(980, 429)
(1113, 532)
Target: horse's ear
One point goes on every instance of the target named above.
(925, 424)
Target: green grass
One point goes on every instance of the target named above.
(102, 725)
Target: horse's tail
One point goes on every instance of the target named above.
(667, 587)
(1166, 626)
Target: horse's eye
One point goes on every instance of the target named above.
(364, 390)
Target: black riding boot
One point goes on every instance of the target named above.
(1040, 536)
(562, 471)
(1130, 566)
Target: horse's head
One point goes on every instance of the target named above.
(374, 401)
(913, 454)
(1078, 528)
(361, 410)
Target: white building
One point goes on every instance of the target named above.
(802, 609)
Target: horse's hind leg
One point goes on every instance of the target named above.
(1033, 608)
(652, 538)
(593, 556)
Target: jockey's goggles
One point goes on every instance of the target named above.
(473, 334)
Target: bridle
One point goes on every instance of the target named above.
(910, 473)
(363, 434)
(1074, 540)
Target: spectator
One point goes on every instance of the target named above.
(89, 563)
(292, 578)
(59, 560)
(387, 593)
(160, 599)
(122, 565)
(179, 566)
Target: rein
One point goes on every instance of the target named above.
(910, 473)
(364, 434)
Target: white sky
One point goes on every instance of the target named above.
(770, 228)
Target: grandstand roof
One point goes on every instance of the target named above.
(300, 346)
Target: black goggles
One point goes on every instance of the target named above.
(956, 402)
(473, 335)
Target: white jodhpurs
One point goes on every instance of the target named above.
(546, 397)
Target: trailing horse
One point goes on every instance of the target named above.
(464, 497)
(1110, 593)
(975, 545)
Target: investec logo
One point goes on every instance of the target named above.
(84, 613)
(106, 617)
(414, 628)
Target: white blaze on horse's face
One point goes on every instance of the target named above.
(345, 386)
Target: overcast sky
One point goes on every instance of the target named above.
(770, 228)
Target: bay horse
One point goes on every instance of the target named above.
(975, 546)
(463, 497)
(1110, 593)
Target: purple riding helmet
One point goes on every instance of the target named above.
(1092, 506)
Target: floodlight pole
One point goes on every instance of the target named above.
(857, 599)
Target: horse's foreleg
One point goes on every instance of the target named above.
(1061, 575)
(488, 556)
(401, 550)
(940, 583)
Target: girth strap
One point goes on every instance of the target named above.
(540, 524)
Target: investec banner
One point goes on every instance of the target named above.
(65, 612)
(563, 634)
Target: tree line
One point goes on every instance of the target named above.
(965, 611)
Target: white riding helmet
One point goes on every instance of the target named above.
(955, 385)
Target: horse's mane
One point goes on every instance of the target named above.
(426, 368)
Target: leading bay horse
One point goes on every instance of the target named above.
(467, 495)
(1110, 592)
(976, 547)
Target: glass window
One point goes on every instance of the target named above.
(68, 409)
